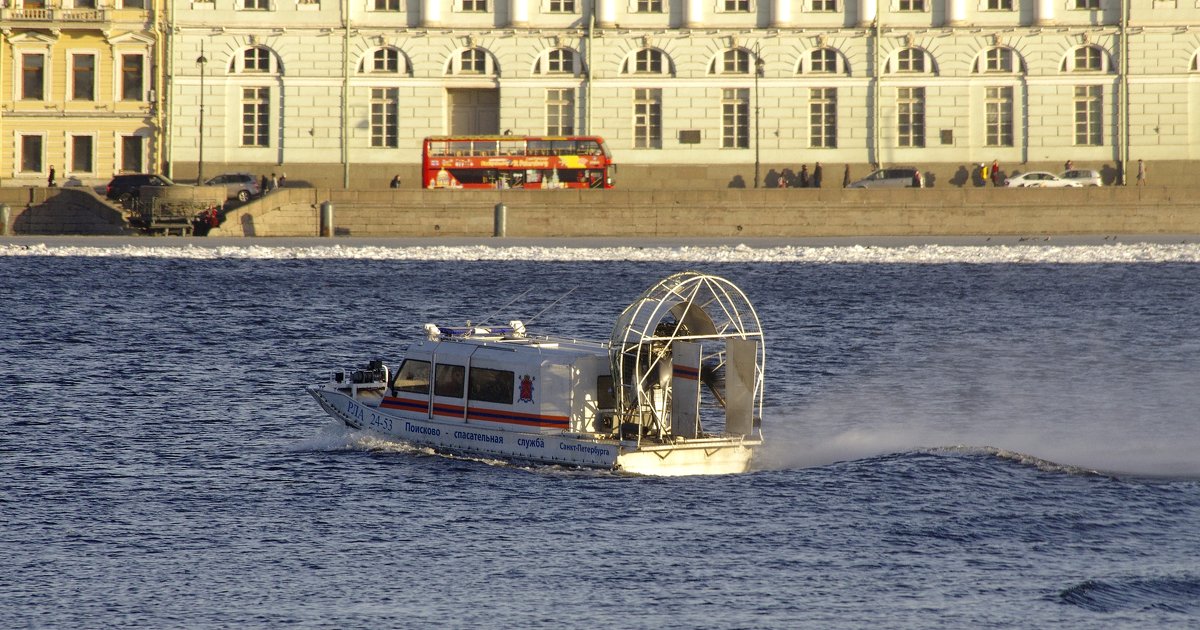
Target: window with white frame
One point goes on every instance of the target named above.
(474, 6)
(823, 61)
(256, 117)
(33, 77)
(562, 6)
(999, 5)
(647, 118)
(131, 154)
(1088, 59)
(1089, 110)
(999, 60)
(83, 154)
(32, 146)
(83, 77)
(385, 117)
(560, 112)
(910, 60)
(732, 61)
(133, 77)
(385, 61)
(472, 61)
(557, 61)
(1087, 4)
(736, 6)
(256, 59)
(647, 61)
(824, 6)
(386, 5)
(999, 105)
(822, 118)
(256, 5)
(912, 5)
(735, 118)
(648, 6)
(910, 122)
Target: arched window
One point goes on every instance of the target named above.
(732, 61)
(823, 60)
(473, 61)
(999, 60)
(1090, 58)
(647, 61)
(386, 60)
(911, 60)
(558, 61)
(255, 60)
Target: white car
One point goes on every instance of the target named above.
(1040, 179)
(1085, 177)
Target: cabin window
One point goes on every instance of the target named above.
(493, 386)
(413, 376)
(606, 397)
(448, 381)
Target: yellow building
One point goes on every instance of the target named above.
(78, 90)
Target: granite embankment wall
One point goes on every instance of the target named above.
(621, 213)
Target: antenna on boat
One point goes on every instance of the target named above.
(539, 313)
(510, 303)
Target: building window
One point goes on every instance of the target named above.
(31, 154)
(824, 6)
(912, 5)
(823, 60)
(81, 154)
(256, 59)
(133, 4)
(822, 117)
(1089, 103)
(83, 77)
(256, 119)
(647, 118)
(998, 60)
(562, 6)
(33, 77)
(558, 61)
(910, 60)
(256, 5)
(387, 5)
(385, 115)
(910, 109)
(385, 60)
(647, 61)
(1089, 59)
(1087, 4)
(736, 61)
(999, 109)
(131, 78)
(735, 118)
(736, 6)
(131, 154)
(649, 6)
(474, 6)
(472, 61)
(999, 5)
(560, 112)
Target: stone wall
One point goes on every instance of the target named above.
(40, 210)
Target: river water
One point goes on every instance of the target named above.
(959, 436)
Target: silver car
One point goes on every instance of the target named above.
(1039, 179)
(240, 186)
(895, 177)
(1085, 177)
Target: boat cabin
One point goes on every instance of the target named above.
(499, 378)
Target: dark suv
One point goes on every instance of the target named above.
(125, 188)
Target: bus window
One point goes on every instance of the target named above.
(437, 149)
(564, 147)
(512, 147)
(485, 147)
(540, 147)
(590, 147)
(460, 147)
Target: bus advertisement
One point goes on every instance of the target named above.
(503, 162)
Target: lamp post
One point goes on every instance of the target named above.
(202, 61)
(758, 72)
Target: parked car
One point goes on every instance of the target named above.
(895, 177)
(1040, 179)
(125, 188)
(1085, 177)
(240, 186)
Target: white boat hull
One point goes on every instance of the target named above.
(701, 456)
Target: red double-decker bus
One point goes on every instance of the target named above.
(516, 162)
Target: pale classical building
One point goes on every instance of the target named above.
(78, 90)
(342, 93)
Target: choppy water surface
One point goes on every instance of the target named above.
(960, 437)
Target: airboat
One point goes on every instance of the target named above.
(677, 389)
